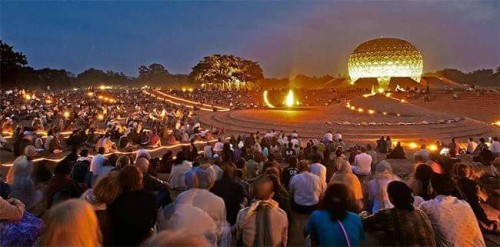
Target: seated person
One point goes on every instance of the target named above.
(397, 153)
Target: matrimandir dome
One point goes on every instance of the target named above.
(384, 58)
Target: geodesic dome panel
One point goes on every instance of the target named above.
(385, 58)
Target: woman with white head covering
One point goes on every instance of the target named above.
(344, 175)
(21, 182)
(377, 187)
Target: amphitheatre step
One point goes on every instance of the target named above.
(373, 134)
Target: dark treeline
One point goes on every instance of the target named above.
(15, 72)
(480, 77)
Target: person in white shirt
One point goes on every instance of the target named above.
(253, 227)
(422, 153)
(362, 163)
(495, 147)
(295, 134)
(452, 219)
(317, 168)
(337, 137)
(471, 146)
(328, 137)
(177, 174)
(207, 151)
(97, 162)
(199, 196)
(306, 190)
(219, 145)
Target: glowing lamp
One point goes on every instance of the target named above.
(384, 113)
(102, 87)
(90, 94)
(413, 145)
(497, 123)
(48, 101)
(27, 97)
(380, 90)
(100, 117)
(433, 147)
(371, 112)
(66, 114)
(360, 110)
(100, 97)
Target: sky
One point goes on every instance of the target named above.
(285, 37)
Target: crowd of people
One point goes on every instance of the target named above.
(250, 190)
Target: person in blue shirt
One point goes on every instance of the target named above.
(333, 224)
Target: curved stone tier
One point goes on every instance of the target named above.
(314, 121)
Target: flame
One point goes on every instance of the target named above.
(290, 98)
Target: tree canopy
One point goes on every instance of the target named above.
(11, 63)
(226, 72)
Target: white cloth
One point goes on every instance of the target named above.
(218, 146)
(307, 188)
(96, 163)
(319, 170)
(453, 222)
(205, 200)
(194, 221)
(495, 147)
(423, 153)
(207, 151)
(177, 179)
(377, 193)
(328, 137)
(337, 137)
(362, 164)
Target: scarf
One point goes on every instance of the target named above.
(262, 223)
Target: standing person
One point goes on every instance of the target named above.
(388, 144)
(133, 214)
(289, 171)
(263, 223)
(71, 223)
(403, 225)
(306, 190)
(333, 224)
(382, 145)
(317, 168)
(362, 163)
(452, 219)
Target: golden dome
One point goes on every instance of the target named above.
(385, 58)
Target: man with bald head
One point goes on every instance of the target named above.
(153, 184)
(263, 223)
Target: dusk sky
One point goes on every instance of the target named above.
(286, 38)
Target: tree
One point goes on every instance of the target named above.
(155, 73)
(226, 72)
(11, 63)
